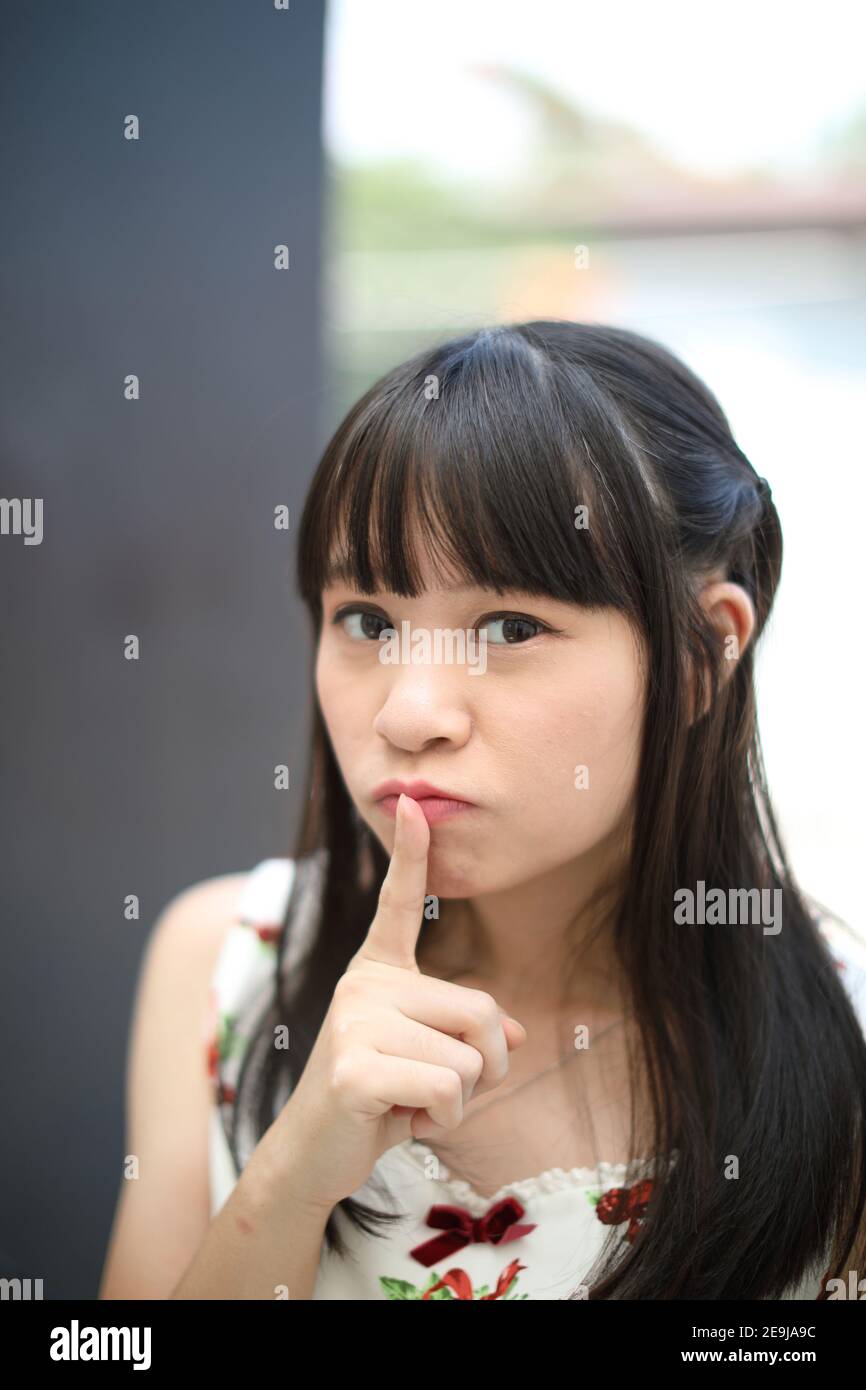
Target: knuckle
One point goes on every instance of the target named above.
(448, 1086)
(348, 987)
(388, 899)
(346, 1023)
(393, 899)
(344, 1075)
(499, 1070)
(474, 1065)
(487, 1007)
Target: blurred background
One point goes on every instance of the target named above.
(697, 174)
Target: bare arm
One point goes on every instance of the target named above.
(266, 1240)
(163, 1213)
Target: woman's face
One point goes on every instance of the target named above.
(543, 737)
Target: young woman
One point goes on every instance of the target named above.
(558, 1021)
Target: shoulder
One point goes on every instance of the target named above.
(194, 932)
(203, 911)
(198, 918)
(191, 930)
(210, 947)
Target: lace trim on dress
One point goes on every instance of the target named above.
(551, 1180)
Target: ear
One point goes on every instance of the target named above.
(731, 611)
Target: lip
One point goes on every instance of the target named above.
(436, 803)
(418, 791)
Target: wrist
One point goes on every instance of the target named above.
(285, 1173)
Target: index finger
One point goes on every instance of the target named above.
(394, 931)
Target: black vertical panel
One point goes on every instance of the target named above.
(153, 257)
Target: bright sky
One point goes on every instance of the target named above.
(716, 86)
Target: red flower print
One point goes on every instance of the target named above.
(625, 1204)
(222, 1041)
(211, 1033)
(455, 1284)
(458, 1281)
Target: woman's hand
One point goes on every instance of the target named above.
(397, 1049)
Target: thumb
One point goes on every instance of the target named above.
(515, 1033)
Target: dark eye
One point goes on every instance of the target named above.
(372, 627)
(368, 629)
(516, 629)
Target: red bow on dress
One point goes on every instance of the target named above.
(498, 1225)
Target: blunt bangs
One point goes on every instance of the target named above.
(484, 452)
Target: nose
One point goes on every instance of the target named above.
(424, 706)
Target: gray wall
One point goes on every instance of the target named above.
(153, 257)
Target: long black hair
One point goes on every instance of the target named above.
(749, 1041)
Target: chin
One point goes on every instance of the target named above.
(451, 875)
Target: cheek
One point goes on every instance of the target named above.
(347, 701)
(606, 723)
(324, 692)
(335, 699)
(579, 749)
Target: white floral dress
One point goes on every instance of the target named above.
(536, 1238)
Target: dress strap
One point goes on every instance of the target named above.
(243, 978)
(264, 897)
